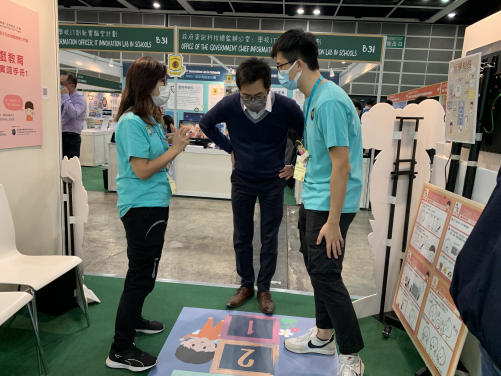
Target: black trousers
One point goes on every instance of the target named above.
(145, 233)
(243, 200)
(333, 306)
(71, 145)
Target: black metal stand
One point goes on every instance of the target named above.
(389, 319)
(69, 238)
(454, 168)
(482, 119)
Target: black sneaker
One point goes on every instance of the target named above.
(150, 327)
(133, 359)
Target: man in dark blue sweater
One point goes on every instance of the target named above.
(257, 121)
(476, 284)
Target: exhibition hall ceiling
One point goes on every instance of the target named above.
(458, 12)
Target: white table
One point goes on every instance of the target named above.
(203, 173)
(112, 166)
(93, 151)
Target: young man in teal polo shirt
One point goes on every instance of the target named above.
(331, 197)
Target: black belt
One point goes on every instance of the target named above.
(71, 134)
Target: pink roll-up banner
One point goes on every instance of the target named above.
(20, 85)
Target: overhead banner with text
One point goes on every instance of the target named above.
(116, 38)
(352, 48)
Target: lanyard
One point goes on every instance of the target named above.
(160, 136)
(308, 108)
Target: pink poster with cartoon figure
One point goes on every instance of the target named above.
(20, 85)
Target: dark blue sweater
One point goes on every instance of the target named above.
(476, 284)
(259, 149)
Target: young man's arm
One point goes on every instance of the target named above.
(333, 124)
(297, 120)
(340, 157)
(208, 125)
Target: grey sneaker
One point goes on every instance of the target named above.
(309, 343)
(350, 366)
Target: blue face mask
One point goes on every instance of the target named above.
(284, 79)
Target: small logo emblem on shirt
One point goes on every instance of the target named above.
(312, 114)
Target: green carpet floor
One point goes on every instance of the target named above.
(72, 349)
(92, 178)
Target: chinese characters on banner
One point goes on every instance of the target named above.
(20, 85)
(422, 302)
(462, 99)
(190, 97)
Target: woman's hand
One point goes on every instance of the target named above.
(180, 139)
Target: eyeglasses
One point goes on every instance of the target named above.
(289, 62)
(246, 97)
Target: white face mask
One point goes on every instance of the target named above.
(163, 97)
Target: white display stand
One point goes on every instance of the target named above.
(379, 131)
(112, 166)
(93, 151)
(72, 169)
(203, 173)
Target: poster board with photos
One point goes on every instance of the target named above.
(462, 99)
(422, 301)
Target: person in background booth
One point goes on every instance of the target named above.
(73, 114)
(368, 105)
(359, 107)
(169, 126)
(331, 198)
(258, 121)
(144, 196)
(389, 101)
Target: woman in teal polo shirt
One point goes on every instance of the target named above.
(144, 195)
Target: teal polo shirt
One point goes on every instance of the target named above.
(332, 121)
(135, 138)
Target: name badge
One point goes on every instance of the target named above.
(300, 169)
(172, 186)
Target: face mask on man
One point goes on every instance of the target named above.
(255, 104)
(163, 97)
(284, 79)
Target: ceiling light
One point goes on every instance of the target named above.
(300, 11)
(111, 63)
(445, 1)
(156, 5)
(332, 72)
(451, 15)
(344, 62)
(316, 12)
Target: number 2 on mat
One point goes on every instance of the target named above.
(250, 363)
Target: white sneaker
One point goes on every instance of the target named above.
(309, 343)
(350, 366)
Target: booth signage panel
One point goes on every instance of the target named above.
(427, 91)
(354, 48)
(94, 81)
(116, 38)
(395, 41)
(422, 301)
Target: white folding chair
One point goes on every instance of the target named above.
(12, 302)
(32, 271)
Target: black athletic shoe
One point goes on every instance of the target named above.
(133, 359)
(150, 327)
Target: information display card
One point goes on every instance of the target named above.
(422, 302)
(462, 99)
(20, 82)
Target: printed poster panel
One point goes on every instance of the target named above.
(298, 97)
(20, 84)
(462, 99)
(190, 97)
(99, 104)
(216, 93)
(423, 303)
(279, 90)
